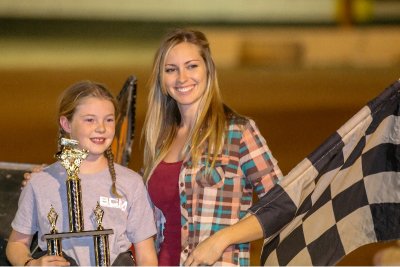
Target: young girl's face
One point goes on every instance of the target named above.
(92, 125)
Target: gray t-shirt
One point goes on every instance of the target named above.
(130, 217)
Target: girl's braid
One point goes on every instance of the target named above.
(110, 159)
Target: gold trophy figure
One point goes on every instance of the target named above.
(71, 158)
(54, 247)
(102, 251)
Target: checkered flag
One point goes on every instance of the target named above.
(343, 195)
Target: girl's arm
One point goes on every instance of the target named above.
(18, 248)
(18, 252)
(210, 250)
(146, 253)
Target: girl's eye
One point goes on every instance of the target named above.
(111, 120)
(89, 119)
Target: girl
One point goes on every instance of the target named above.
(207, 157)
(87, 114)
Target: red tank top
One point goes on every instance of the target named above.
(164, 192)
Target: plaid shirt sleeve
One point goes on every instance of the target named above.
(256, 161)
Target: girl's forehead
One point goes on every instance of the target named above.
(92, 100)
(97, 103)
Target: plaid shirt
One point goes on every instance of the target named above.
(208, 204)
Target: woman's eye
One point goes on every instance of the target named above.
(111, 120)
(192, 66)
(89, 119)
(169, 70)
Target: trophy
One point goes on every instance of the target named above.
(71, 158)
(102, 251)
(53, 244)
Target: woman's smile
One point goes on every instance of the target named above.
(184, 89)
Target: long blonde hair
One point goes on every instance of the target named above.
(72, 97)
(163, 117)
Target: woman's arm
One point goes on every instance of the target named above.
(210, 250)
(18, 253)
(146, 253)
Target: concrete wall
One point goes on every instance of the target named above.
(307, 47)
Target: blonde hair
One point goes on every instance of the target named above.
(72, 97)
(163, 117)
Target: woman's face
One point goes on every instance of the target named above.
(185, 76)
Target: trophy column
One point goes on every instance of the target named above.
(102, 251)
(71, 158)
(74, 196)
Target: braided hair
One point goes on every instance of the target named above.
(110, 159)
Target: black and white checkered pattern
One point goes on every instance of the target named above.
(343, 195)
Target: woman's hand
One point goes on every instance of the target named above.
(211, 249)
(208, 251)
(27, 175)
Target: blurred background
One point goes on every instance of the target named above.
(299, 68)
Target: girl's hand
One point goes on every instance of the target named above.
(49, 261)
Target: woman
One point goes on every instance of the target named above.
(205, 157)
